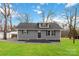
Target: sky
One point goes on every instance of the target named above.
(34, 10)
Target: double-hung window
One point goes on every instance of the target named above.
(50, 33)
(53, 33)
(24, 31)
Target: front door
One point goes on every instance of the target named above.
(39, 35)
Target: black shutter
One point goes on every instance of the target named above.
(22, 31)
(46, 32)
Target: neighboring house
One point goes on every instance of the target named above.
(39, 31)
(12, 34)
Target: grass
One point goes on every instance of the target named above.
(64, 48)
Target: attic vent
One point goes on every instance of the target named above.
(43, 25)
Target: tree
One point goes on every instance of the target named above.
(10, 17)
(71, 17)
(70, 20)
(5, 12)
(74, 26)
(24, 18)
(50, 15)
(47, 17)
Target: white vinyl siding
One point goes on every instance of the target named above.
(33, 34)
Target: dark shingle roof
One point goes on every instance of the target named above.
(36, 26)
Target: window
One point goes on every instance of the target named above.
(43, 25)
(50, 33)
(23, 31)
(27, 31)
(47, 33)
(53, 33)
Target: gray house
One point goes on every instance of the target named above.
(39, 31)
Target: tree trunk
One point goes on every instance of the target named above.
(70, 26)
(5, 29)
(74, 29)
(5, 23)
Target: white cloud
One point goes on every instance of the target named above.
(0, 4)
(14, 14)
(43, 3)
(70, 4)
(56, 19)
(38, 7)
(38, 11)
(10, 6)
(61, 21)
(1, 10)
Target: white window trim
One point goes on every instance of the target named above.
(40, 26)
(50, 33)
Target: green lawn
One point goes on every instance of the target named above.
(64, 48)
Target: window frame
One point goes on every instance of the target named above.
(48, 32)
(23, 31)
(27, 31)
(53, 33)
